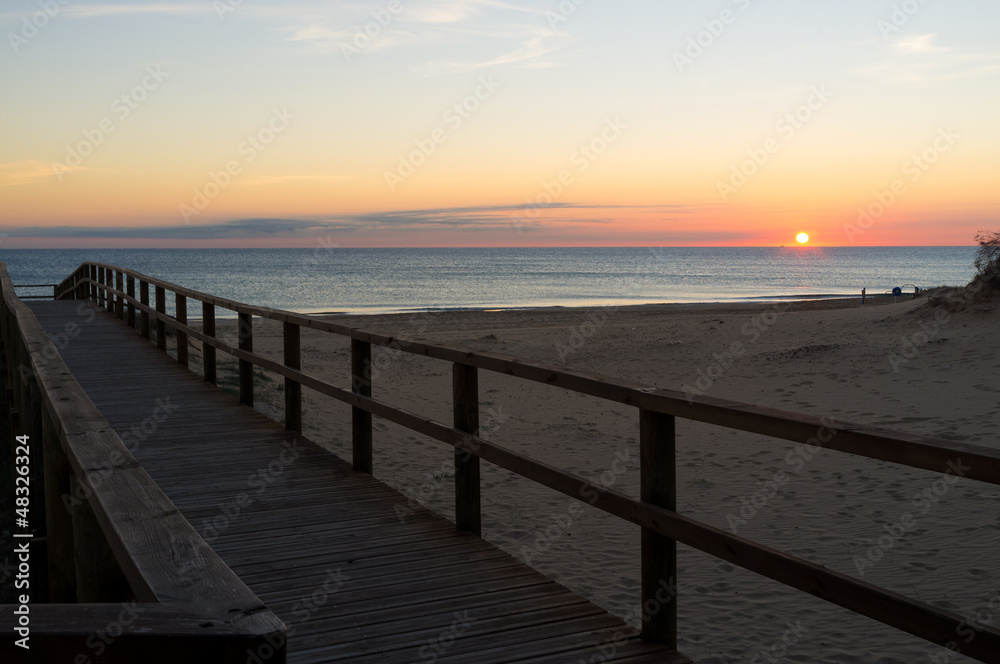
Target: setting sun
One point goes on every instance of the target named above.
(802, 238)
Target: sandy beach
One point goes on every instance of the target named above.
(903, 366)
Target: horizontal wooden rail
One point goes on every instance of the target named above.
(122, 525)
(913, 616)
(924, 452)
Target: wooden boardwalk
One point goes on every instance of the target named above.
(319, 543)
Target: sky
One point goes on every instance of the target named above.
(214, 123)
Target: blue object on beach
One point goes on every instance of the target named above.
(897, 291)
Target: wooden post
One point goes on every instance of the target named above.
(208, 352)
(657, 485)
(246, 367)
(293, 389)
(119, 300)
(99, 579)
(81, 285)
(109, 281)
(144, 315)
(130, 286)
(465, 391)
(180, 313)
(161, 327)
(361, 420)
(59, 522)
(95, 293)
(100, 287)
(39, 517)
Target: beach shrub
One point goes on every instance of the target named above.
(982, 293)
(987, 262)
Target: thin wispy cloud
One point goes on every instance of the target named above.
(527, 54)
(314, 177)
(91, 11)
(919, 44)
(516, 41)
(921, 59)
(29, 171)
(479, 218)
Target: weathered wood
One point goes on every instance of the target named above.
(208, 352)
(320, 519)
(144, 315)
(119, 302)
(98, 576)
(76, 633)
(658, 486)
(161, 325)
(293, 390)
(59, 521)
(465, 399)
(180, 313)
(361, 420)
(131, 305)
(109, 283)
(99, 285)
(38, 515)
(245, 333)
(129, 521)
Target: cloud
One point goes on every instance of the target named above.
(90, 11)
(527, 54)
(919, 44)
(29, 171)
(479, 218)
(919, 59)
(316, 177)
(490, 25)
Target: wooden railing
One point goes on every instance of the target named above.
(117, 573)
(35, 297)
(655, 510)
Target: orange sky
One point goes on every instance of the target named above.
(498, 124)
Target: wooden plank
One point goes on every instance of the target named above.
(99, 577)
(148, 633)
(180, 313)
(131, 306)
(123, 504)
(144, 316)
(100, 283)
(38, 497)
(161, 325)
(465, 400)
(293, 390)
(208, 352)
(246, 368)
(361, 420)
(658, 487)
(119, 302)
(61, 561)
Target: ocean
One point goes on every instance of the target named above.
(399, 280)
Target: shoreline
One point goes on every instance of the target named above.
(793, 302)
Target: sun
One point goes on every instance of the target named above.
(802, 238)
